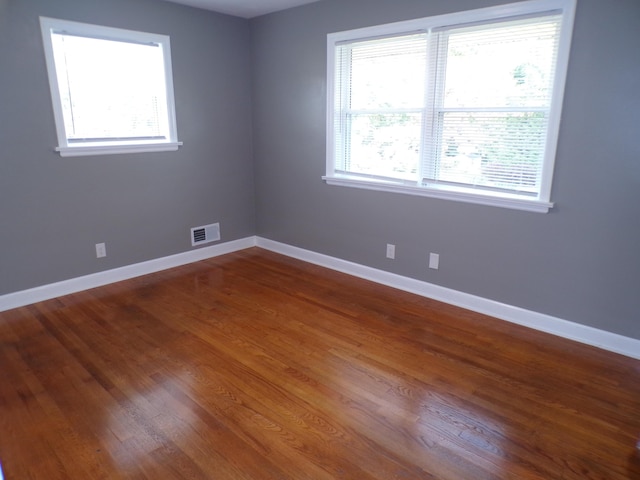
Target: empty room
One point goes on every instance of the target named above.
(330, 239)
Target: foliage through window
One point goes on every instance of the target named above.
(463, 106)
(111, 89)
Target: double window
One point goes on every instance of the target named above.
(112, 89)
(463, 106)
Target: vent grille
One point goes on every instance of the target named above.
(205, 234)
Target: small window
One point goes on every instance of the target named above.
(463, 106)
(112, 89)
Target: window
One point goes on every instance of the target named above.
(112, 89)
(464, 106)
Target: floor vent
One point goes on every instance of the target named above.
(205, 234)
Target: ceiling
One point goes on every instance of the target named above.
(244, 8)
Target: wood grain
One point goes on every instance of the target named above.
(257, 366)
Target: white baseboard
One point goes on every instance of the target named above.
(46, 292)
(613, 342)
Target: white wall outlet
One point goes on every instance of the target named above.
(101, 250)
(434, 261)
(391, 251)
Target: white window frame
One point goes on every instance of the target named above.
(539, 203)
(167, 142)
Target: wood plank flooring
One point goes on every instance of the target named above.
(257, 366)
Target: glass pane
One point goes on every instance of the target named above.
(510, 65)
(385, 145)
(388, 73)
(110, 89)
(495, 150)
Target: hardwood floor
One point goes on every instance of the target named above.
(257, 366)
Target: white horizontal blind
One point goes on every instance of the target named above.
(493, 88)
(110, 90)
(380, 101)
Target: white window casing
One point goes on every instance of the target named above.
(111, 89)
(463, 106)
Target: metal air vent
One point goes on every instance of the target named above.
(205, 234)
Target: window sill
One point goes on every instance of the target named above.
(445, 192)
(85, 150)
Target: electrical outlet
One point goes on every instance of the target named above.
(391, 251)
(434, 261)
(101, 250)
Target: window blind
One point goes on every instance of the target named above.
(381, 103)
(462, 105)
(493, 87)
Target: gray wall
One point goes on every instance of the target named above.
(54, 210)
(581, 262)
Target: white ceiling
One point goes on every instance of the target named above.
(244, 8)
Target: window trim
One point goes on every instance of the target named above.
(68, 148)
(540, 203)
